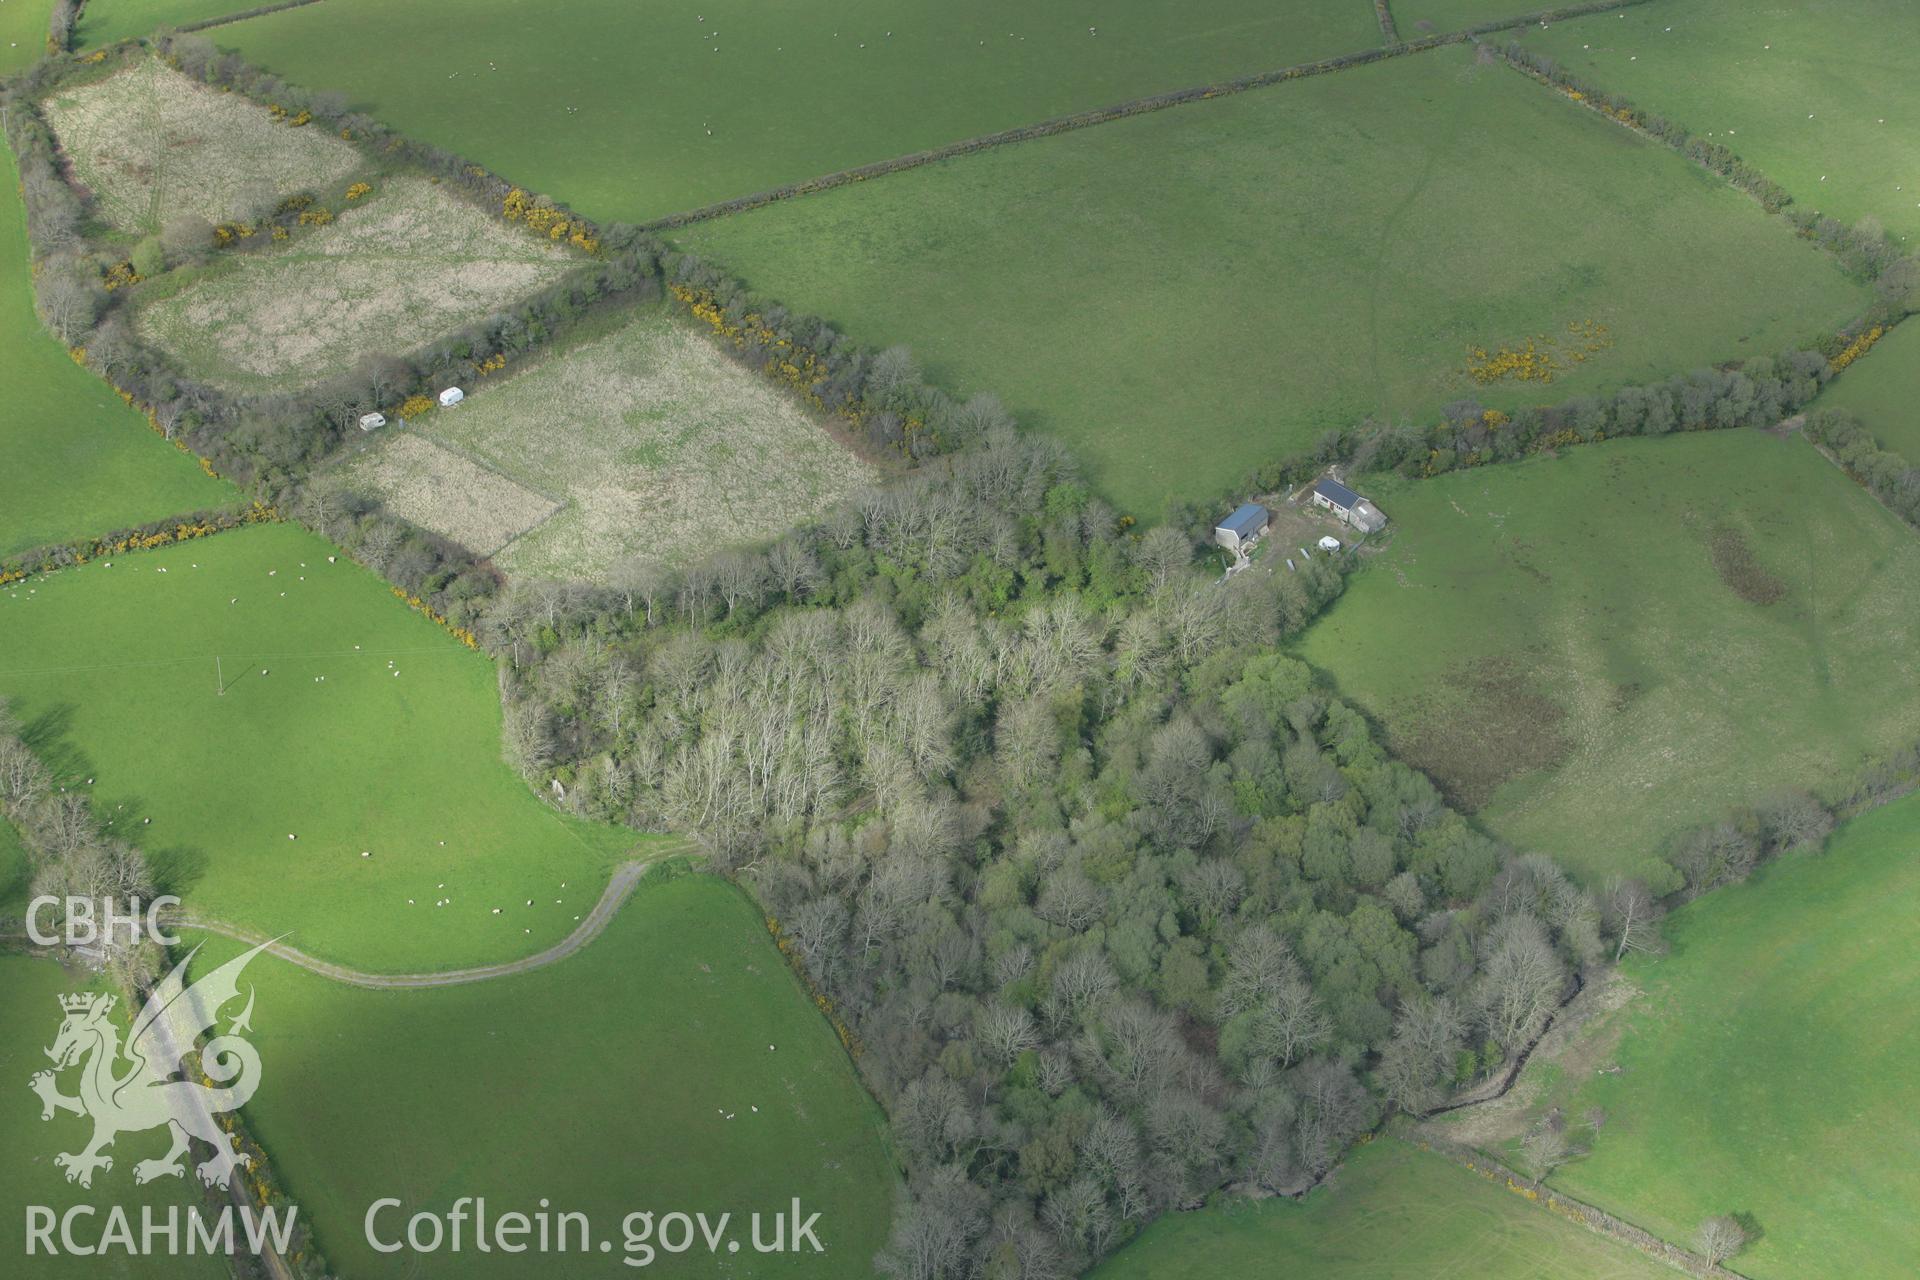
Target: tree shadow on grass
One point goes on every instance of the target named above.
(46, 736)
(176, 868)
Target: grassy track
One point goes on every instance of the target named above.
(551, 98)
(1884, 390)
(1182, 295)
(1768, 1068)
(113, 671)
(601, 1084)
(29, 1019)
(74, 460)
(1392, 1211)
(1800, 90)
(1565, 643)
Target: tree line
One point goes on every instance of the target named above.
(1887, 475)
(72, 851)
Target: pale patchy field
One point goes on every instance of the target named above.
(661, 447)
(153, 145)
(1595, 651)
(445, 491)
(388, 276)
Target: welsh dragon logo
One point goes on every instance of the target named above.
(133, 1090)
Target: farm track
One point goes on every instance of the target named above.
(619, 888)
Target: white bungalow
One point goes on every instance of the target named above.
(451, 396)
(372, 421)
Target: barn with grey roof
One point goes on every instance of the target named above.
(1348, 505)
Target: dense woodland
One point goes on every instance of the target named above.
(1115, 904)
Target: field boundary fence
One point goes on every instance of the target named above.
(1575, 1211)
(1118, 111)
(1384, 11)
(259, 11)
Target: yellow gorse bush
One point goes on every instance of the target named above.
(1541, 358)
(462, 634)
(358, 189)
(414, 406)
(255, 512)
(1855, 349)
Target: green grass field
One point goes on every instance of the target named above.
(76, 460)
(1768, 1069)
(1416, 18)
(1597, 650)
(1393, 1212)
(551, 99)
(1883, 388)
(113, 672)
(23, 32)
(1818, 95)
(1183, 295)
(30, 1015)
(603, 1084)
(104, 21)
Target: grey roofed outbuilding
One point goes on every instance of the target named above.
(1336, 493)
(1248, 520)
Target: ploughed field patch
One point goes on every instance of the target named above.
(391, 273)
(1601, 649)
(1486, 722)
(1741, 570)
(654, 445)
(153, 146)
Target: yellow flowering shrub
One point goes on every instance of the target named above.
(1847, 354)
(358, 189)
(414, 406)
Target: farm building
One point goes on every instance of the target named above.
(1243, 527)
(451, 396)
(1348, 505)
(372, 421)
